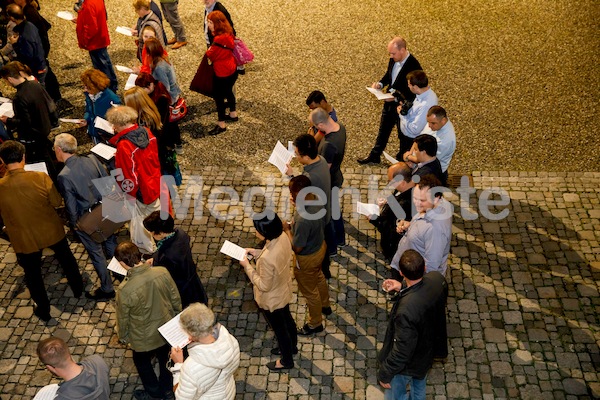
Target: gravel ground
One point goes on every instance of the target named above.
(518, 79)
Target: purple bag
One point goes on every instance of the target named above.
(242, 53)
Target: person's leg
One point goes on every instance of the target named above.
(101, 60)
(389, 119)
(171, 14)
(290, 326)
(32, 265)
(398, 390)
(165, 376)
(340, 231)
(306, 276)
(67, 261)
(230, 95)
(276, 319)
(330, 239)
(405, 145)
(52, 85)
(98, 260)
(143, 363)
(220, 89)
(418, 389)
(109, 246)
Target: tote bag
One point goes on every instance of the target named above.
(203, 80)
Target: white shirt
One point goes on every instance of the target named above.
(446, 141)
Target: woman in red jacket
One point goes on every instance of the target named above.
(220, 53)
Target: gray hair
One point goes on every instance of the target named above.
(197, 320)
(319, 116)
(121, 116)
(66, 142)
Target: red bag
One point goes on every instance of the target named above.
(203, 80)
(179, 110)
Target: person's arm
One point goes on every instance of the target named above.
(122, 319)
(265, 279)
(68, 192)
(415, 121)
(53, 196)
(405, 343)
(123, 160)
(186, 387)
(87, 25)
(174, 294)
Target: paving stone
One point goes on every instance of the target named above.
(522, 357)
(457, 390)
(575, 386)
(335, 340)
(7, 365)
(344, 384)
(24, 312)
(299, 386)
(322, 367)
(512, 317)
(495, 335)
(536, 259)
(501, 368)
(571, 197)
(582, 336)
(5, 334)
(587, 291)
(530, 392)
(374, 393)
(467, 306)
(538, 335)
(546, 292)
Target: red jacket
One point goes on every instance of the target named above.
(147, 61)
(222, 59)
(92, 30)
(137, 156)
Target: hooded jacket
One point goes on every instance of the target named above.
(92, 29)
(90, 384)
(207, 373)
(137, 156)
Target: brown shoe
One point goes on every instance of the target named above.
(172, 41)
(178, 45)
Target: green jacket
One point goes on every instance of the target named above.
(146, 299)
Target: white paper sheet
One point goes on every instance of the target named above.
(48, 392)
(291, 148)
(39, 167)
(233, 250)
(105, 151)
(65, 15)
(379, 94)
(174, 333)
(124, 69)
(130, 81)
(6, 109)
(103, 124)
(115, 266)
(4, 100)
(123, 30)
(280, 157)
(71, 120)
(367, 209)
(389, 158)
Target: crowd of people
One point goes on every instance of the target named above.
(414, 220)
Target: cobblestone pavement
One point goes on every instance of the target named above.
(522, 311)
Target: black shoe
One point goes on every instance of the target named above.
(307, 330)
(273, 367)
(242, 71)
(216, 130)
(44, 316)
(276, 351)
(231, 119)
(370, 159)
(326, 310)
(141, 394)
(77, 293)
(100, 295)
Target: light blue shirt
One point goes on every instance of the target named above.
(446, 142)
(430, 235)
(413, 123)
(396, 70)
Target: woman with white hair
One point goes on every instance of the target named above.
(214, 355)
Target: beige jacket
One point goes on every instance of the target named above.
(27, 202)
(272, 278)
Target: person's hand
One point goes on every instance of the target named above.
(402, 226)
(74, 20)
(253, 252)
(289, 171)
(82, 123)
(287, 226)
(390, 285)
(136, 70)
(399, 108)
(376, 85)
(382, 201)
(3, 118)
(385, 385)
(176, 355)
(244, 262)
(150, 261)
(134, 32)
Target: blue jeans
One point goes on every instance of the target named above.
(101, 60)
(398, 390)
(98, 259)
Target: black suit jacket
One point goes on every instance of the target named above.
(220, 7)
(400, 84)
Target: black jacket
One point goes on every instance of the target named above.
(220, 7)
(29, 48)
(414, 329)
(386, 223)
(175, 255)
(33, 15)
(400, 84)
(32, 107)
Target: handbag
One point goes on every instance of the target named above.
(178, 111)
(203, 80)
(97, 226)
(241, 52)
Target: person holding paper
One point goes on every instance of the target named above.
(99, 98)
(400, 64)
(93, 36)
(75, 183)
(214, 356)
(306, 232)
(315, 99)
(174, 253)
(27, 207)
(86, 380)
(27, 43)
(220, 53)
(146, 300)
(272, 282)
(147, 17)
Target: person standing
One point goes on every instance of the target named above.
(146, 299)
(27, 43)
(27, 207)
(147, 17)
(75, 183)
(412, 334)
(400, 64)
(210, 6)
(170, 9)
(99, 98)
(93, 36)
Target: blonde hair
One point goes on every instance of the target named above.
(139, 4)
(148, 114)
(197, 320)
(121, 116)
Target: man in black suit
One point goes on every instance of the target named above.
(400, 64)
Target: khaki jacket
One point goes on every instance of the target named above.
(272, 278)
(146, 299)
(27, 206)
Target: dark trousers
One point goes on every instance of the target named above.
(101, 60)
(98, 257)
(389, 120)
(52, 86)
(224, 91)
(445, 178)
(156, 387)
(284, 326)
(32, 264)
(405, 145)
